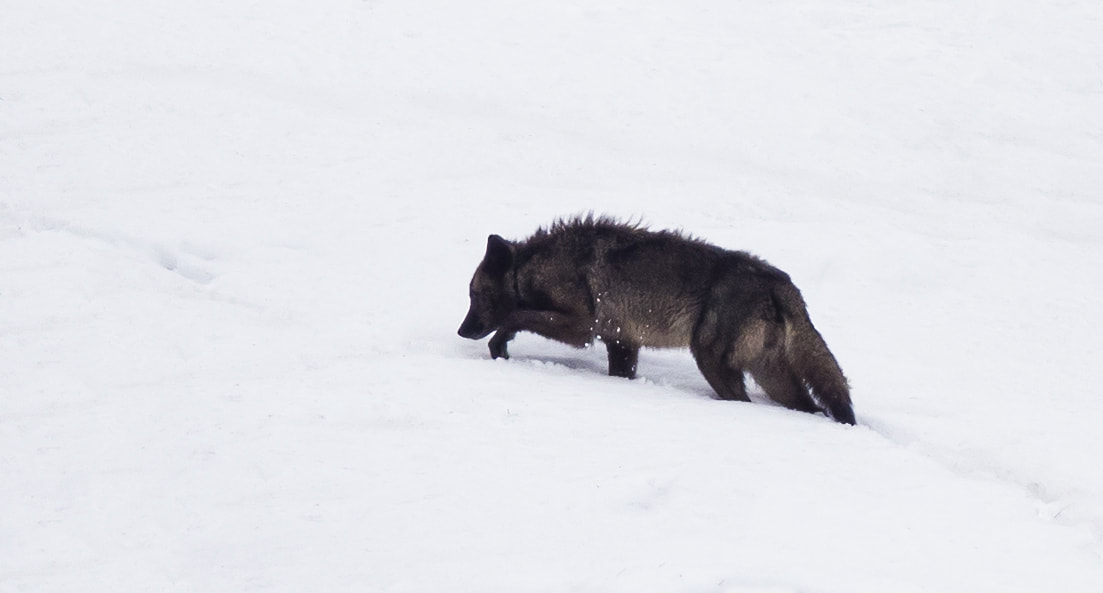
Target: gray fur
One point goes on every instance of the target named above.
(595, 278)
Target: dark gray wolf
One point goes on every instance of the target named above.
(587, 278)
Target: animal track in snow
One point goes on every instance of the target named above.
(187, 261)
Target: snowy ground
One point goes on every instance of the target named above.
(235, 240)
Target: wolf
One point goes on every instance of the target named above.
(595, 278)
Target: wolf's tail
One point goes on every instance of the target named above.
(809, 357)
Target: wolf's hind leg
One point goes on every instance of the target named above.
(784, 387)
(725, 378)
(622, 359)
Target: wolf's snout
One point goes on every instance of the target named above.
(471, 328)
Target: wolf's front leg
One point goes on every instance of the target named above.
(498, 344)
(554, 325)
(622, 359)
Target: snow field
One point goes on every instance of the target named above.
(235, 241)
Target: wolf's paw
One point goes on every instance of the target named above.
(498, 346)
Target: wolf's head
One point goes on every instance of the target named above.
(493, 296)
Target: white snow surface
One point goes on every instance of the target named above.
(236, 237)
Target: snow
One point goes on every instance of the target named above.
(235, 241)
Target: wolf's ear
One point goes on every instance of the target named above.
(499, 256)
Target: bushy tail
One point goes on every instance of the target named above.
(810, 359)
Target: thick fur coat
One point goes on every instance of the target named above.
(595, 278)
